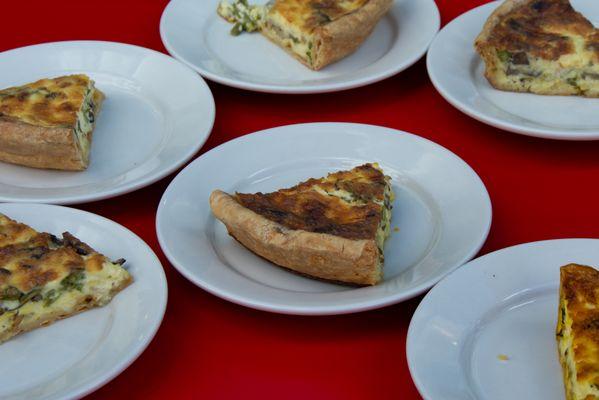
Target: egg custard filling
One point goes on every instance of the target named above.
(86, 118)
(542, 47)
(577, 331)
(44, 278)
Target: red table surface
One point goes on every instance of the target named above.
(209, 348)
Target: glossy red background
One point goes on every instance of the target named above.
(208, 348)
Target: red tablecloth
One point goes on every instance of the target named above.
(209, 348)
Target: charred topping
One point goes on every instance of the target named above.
(525, 30)
(55, 240)
(76, 244)
(300, 207)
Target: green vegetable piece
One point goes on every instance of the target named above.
(51, 297)
(504, 55)
(73, 281)
(11, 293)
(31, 296)
(237, 29)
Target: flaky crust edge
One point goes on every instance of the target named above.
(43, 147)
(481, 43)
(341, 37)
(319, 255)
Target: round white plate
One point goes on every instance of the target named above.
(77, 355)
(487, 331)
(457, 72)
(156, 116)
(442, 211)
(193, 33)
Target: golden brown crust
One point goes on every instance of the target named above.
(343, 36)
(335, 31)
(316, 254)
(42, 146)
(48, 102)
(579, 292)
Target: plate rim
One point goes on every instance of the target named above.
(119, 367)
(539, 132)
(138, 184)
(303, 89)
(411, 334)
(365, 305)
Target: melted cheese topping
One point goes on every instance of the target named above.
(301, 16)
(47, 102)
(294, 21)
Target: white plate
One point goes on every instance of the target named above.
(157, 115)
(442, 211)
(194, 34)
(502, 304)
(457, 72)
(77, 355)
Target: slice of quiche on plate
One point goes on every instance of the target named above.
(44, 278)
(333, 228)
(49, 123)
(540, 46)
(316, 32)
(578, 331)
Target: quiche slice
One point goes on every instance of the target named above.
(333, 228)
(578, 331)
(44, 278)
(316, 32)
(49, 123)
(542, 47)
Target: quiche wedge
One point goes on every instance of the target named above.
(44, 278)
(316, 32)
(540, 46)
(333, 228)
(578, 331)
(49, 123)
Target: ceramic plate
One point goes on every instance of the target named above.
(156, 116)
(442, 215)
(487, 331)
(77, 355)
(194, 34)
(457, 72)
